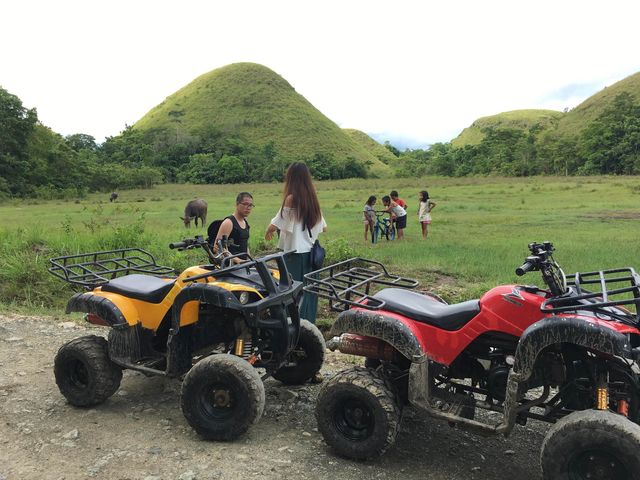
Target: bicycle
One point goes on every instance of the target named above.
(383, 228)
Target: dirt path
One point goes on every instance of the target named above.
(140, 432)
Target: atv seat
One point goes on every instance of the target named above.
(141, 287)
(426, 310)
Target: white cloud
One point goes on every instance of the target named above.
(414, 70)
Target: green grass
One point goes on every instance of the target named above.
(479, 234)
(252, 102)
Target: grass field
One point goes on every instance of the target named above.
(479, 234)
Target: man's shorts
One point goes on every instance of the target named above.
(401, 222)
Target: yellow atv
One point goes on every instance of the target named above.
(212, 325)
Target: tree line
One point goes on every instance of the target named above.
(209, 156)
(35, 161)
(608, 145)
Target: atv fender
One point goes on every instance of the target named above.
(203, 293)
(555, 330)
(179, 343)
(97, 305)
(387, 328)
(284, 319)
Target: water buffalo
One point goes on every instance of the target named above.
(195, 209)
(113, 197)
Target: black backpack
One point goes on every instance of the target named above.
(212, 231)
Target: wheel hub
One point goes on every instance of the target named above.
(598, 465)
(354, 419)
(79, 375)
(295, 357)
(221, 398)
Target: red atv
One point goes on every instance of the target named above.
(568, 355)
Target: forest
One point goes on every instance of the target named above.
(37, 162)
(610, 145)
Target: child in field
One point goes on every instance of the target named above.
(424, 211)
(369, 216)
(394, 196)
(400, 213)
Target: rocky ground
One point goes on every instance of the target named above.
(140, 432)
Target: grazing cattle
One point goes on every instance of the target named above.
(113, 197)
(195, 209)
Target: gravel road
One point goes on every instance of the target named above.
(140, 433)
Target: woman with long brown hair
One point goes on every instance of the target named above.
(299, 221)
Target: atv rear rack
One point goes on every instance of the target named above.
(97, 268)
(613, 288)
(353, 282)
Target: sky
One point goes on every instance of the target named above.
(410, 72)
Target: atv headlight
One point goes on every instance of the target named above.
(243, 297)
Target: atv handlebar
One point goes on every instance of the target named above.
(199, 242)
(540, 255)
(524, 268)
(541, 259)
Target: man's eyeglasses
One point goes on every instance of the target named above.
(247, 205)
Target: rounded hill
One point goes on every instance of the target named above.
(376, 149)
(253, 103)
(575, 121)
(516, 119)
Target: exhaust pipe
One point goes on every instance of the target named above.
(362, 346)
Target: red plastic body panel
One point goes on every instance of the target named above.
(507, 309)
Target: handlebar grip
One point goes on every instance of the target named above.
(177, 245)
(524, 268)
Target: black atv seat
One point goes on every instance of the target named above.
(141, 287)
(424, 309)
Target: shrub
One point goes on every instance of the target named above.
(338, 249)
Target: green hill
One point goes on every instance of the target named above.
(558, 124)
(574, 121)
(599, 136)
(251, 102)
(516, 119)
(369, 144)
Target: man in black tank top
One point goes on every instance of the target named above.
(236, 227)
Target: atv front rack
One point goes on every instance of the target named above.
(599, 290)
(97, 268)
(353, 282)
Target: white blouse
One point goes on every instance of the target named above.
(398, 211)
(424, 209)
(292, 235)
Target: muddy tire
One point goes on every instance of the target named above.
(594, 444)
(304, 361)
(222, 396)
(358, 413)
(84, 373)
